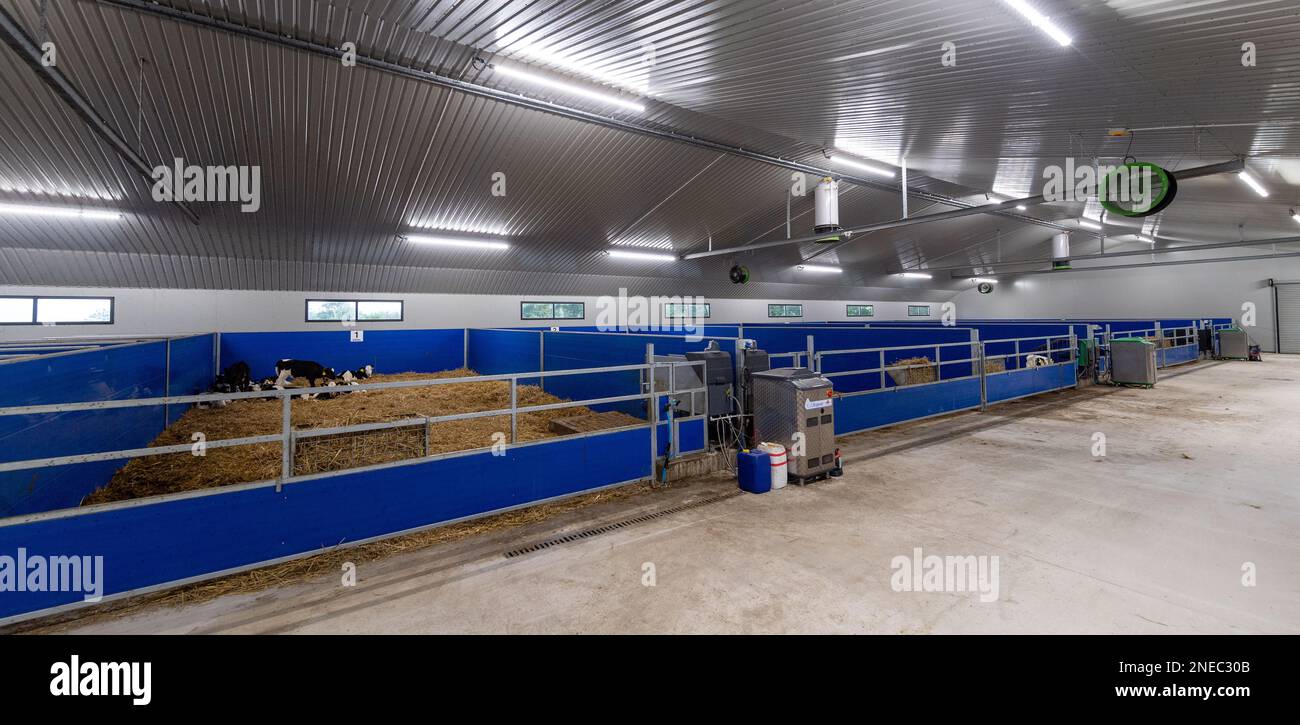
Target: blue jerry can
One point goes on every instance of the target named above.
(754, 471)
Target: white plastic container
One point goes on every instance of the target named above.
(776, 452)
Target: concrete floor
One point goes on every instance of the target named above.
(1201, 475)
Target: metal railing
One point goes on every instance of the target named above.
(1165, 339)
(1054, 346)
(882, 369)
(288, 437)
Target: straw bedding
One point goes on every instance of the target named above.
(175, 473)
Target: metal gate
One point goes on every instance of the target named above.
(1288, 316)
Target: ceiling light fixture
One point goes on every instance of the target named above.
(877, 170)
(60, 211)
(493, 244)
(642, 256)
(819, 268)
(1148, 240)
(568, 88)
(1089, 225)
(1040, 21)
(1253, 183)
(915, 275)
(637, 83)
(979, 280)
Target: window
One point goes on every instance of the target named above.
(17, 310)
(860, 310)
(351, 310)
(380, 310)
(673, 311)
(785, 310)
(552, 311)
(918, 310)
(56, 310)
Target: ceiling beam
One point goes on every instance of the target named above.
(1108, 255)
(967, 210)
(1166, 263)
(17, 38)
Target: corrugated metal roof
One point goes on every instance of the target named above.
(352, 157)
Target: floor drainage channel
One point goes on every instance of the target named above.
(597, 531)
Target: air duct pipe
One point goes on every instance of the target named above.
(1061, 250)
(826, 209)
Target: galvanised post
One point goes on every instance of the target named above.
(652, 409)
(514, 410)
(167, 384)
(286, 441)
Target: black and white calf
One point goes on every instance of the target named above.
(314, 372)
(239, 376)
(349, 376)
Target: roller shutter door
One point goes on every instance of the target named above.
(1288, 317)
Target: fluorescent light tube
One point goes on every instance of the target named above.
(1040, 21)
(978, 280)
(643, 256)
(1253, 183)
(915, 275)
(1021, 207)
(1146, 239)
(819, 268)
(1089, 225)
(877, 170)
(59, 211)
(568, 88)
(637, 83)
(457, 242)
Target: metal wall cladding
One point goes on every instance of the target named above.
(353, 157)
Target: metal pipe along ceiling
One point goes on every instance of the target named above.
(1166, 263)
(1223, 168)
(1108, 255)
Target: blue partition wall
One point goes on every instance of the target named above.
(111, 373)
(503, 352)
(191, 369)
(863, 411)
(184, 537)
(1029, 381)
(390, 351)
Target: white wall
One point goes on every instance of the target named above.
(1188, 290)
(171, 311)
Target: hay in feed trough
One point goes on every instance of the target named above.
(913, 375)
(179, 472)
